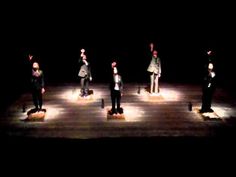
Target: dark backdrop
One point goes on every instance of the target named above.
(55, 32)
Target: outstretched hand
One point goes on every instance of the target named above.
(30, 57)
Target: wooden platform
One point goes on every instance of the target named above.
(163, 115)
(37, 116)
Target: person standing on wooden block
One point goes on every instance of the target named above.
(116, 88)
(84, 74)
(154, 69)
(208, 89)
(37, 82)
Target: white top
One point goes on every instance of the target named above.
(116, 82)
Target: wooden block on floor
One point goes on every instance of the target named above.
(207, 115)
(115, 116)
(87, 98)
(156, 97)
(37, 116)
(152, 97)
(210, 116)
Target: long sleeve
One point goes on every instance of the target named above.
(159, 66)
(42, 80)
(37, 79)
(121, 85)
(80, 61)
(90, 73)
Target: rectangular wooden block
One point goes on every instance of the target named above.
(37, 116)
(115, 116)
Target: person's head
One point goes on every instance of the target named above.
(113, 64)
(82, 50)
(154, 53)
(35, 66)
(210, 66)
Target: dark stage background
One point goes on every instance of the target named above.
(55, 32)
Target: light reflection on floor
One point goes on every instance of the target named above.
(131, 113)
(166, 94)
(52, 113)
(73, 96)
(222, 111)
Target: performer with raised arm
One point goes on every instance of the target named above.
(37, 82)
(155, 72)
(84, 74)
(116, 88)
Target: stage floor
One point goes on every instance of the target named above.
(165, 115)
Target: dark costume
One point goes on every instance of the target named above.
(208, 89)
(116, 88)
(37, 82)
(85, 76)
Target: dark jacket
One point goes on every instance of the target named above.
(37, 80)
(120, 83)
(85, 70)
(209, 82)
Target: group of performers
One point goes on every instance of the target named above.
(116, 84)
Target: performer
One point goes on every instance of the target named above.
(84, 74)
(155, 72)
(208, 89)
(116, 88)
(37, 81)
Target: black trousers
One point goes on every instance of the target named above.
(207, 98)
(84, 82)
(37, 98)
(115, 100)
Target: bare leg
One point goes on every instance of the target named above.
(156, 79)
(152, 82)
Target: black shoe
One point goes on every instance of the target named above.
(86, 92)
(81, 95)
(202, 111)
(41, 110)
(111, 112)
(210, 110)
(120, 111)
